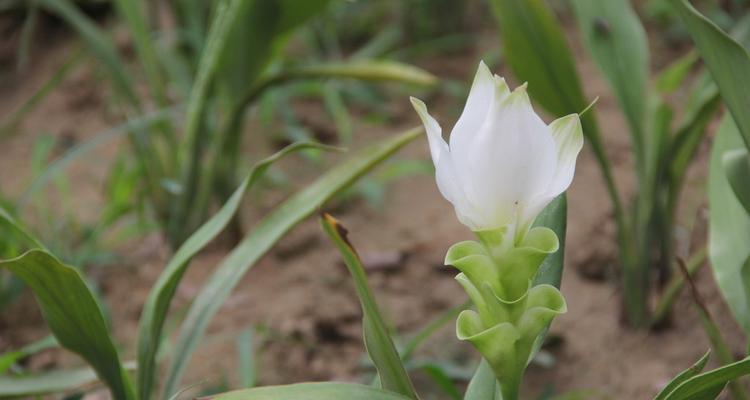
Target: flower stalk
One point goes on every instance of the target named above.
(501, 167)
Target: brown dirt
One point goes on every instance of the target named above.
(301, 294)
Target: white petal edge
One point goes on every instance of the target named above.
(477, 106)
(445, 172)
(568, 135)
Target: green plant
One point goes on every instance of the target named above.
(73, 314)
(729, 169)
(616, 41)
(225, 57)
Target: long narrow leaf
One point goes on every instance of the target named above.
(263, 237)
(311, 391)
(73, 315)
(155, 309)
(694, 370)
(378, 341)
(727, 60)
(54, 382)
(617, 42)
(729, 227)
(699, 386)
(99, 45)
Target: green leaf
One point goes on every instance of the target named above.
(737, 168)
(709, 384)
(98, 43)
(694, 370)
(378, 342)
(73, 315)
(616, 40)
(9, 358)
(729, 227)
(83, 149)
(440, 376)
(367, 70)
(483, 385)
(155, 309)
(130, 11)
(311, 391)
(247, 360)
(53, 382)
(555, 217)
(672, 77)
(226, 16)
(262, 28)
(727, 60)
(535, 48)
(269, 230)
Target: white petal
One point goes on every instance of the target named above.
(431, 126)
(568, 137)
(513, 160)
(448, 182)
(477, 105)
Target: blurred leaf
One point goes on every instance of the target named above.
(311, 391)
(157, 305)
(441, 377)
(428, 330)
(73, 315)
(729, 227)
(83, 149)
(53, 382)
(694, 370)
(737, 168)
(673, 76)
(368, 70)
(378, 341)
(98, 43)
(247, 360)
(708, 385)
(687, 138)
(260, 30)
(727, 60)
(9, 358)
(483, 386)
(617, 42)
(130, 11)
(336, 107)
(269, 230)
(535, 48)
(11, 121)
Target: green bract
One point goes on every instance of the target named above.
(497, 274)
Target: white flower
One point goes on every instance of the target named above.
(503, 164)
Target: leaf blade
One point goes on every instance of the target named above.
(378, 341)
(265, 235)
(311, 391)
(73, 315)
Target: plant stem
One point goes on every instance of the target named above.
(675, 285)
(510, 388)
(737, 390)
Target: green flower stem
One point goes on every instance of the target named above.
(497, 273)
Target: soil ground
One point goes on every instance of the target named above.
(300, 295)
